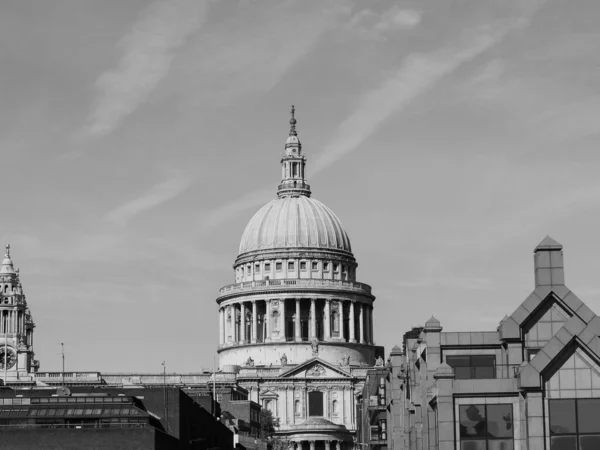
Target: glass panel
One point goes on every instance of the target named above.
(97, 411)
(472, 445)
(60, 412)
(458, 361)
(563, 443)
(462, 373)
(500, 444)
(482, 372)
(588, 412)
(499, 421)
(472, 421)
(562, 417)
(589, 442)
(51, 412)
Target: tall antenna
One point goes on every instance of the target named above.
(165, 399)
(5, 356)
(215, 386)
(62, 350)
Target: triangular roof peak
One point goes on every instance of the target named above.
(548, 244)
(312, 362)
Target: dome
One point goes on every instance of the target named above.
(294, 222)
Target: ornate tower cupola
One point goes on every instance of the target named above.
(16, 326)
(293, 163)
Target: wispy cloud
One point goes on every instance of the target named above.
(147, 52)
(253, 49)
(160, 193)
(223, 213)
(376, 25)
(417, 75)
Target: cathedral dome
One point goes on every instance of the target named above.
(294, 222)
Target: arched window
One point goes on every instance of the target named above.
(315, 403)
(297, 408)
(335, 407)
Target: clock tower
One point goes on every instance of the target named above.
(16, 327)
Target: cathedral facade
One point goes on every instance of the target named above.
(296, 327)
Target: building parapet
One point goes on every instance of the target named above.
(262, 285)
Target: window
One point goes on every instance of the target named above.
(531, 352)
(335, 407)
(574, 424)
(257, 268)
(267, 267)
(315, 403)
(248, 269)
(278, 266)
(290, 265)
(486, 427)
(326, 266)
(315, 265)
(336, 267)
(297, 408)
(467, 367)
(302, 265)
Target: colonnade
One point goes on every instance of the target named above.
(312, 445)
(295, 320)
(12, 321)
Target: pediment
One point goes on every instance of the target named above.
(315, 368)
(268, 394)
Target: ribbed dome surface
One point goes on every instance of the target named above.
(294, 222)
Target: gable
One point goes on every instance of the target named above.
(545, 323)
(315, 368)
(577, 377)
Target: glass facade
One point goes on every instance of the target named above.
(468, 367)
(578, 377)
(546, 326)
(486, 427)
(574, 424)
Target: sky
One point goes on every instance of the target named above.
(138, 138)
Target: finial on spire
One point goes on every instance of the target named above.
(7, 254)
(293, 122)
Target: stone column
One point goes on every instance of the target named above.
(297, 335)
(299, 445)
(342, 335)
(254, 322)
(312, 445)
(282, 319)
(327, 319)
(366, 314)
(369, 325)
(352, 337)
(361, 320)
(338, 445)
(313, 326)
(242, 323)
(327, 445)
(268, 320)
(221, 326)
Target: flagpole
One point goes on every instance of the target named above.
(5, 356)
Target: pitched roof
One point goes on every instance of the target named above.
(548, 244)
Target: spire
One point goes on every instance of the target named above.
(293, 122)
(7, 253)
(293, 182)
